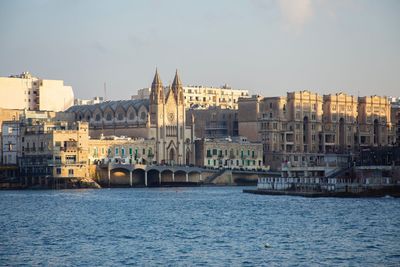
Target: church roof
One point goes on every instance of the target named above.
(113, 105)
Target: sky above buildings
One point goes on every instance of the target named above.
(267, 46)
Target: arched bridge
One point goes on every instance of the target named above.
(156, 174)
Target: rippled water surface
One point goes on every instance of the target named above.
(218, 226)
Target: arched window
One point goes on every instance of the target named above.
(132, 116)
(98, 117)
(120, 116)
(108, 117)
(143, 115)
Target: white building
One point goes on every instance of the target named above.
(27, 92)
(94, 100)
(204, 97)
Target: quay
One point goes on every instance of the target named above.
(392, 191)
(356, 181)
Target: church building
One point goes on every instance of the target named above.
(161, 118)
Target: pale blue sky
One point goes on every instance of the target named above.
(268, 47)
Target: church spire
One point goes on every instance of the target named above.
(156, 80)
(177, 87)
(157, 91)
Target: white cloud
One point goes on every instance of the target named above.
(296, 13)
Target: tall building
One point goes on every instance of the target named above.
(204, 97)
(27, 92)
(161, 117)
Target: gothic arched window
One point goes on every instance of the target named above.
(108, 117)
(120, 116)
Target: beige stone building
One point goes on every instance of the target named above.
(339, 123)
(304, 126)
(374, 121)
(236, 153)
(204, 97)
(27, 92)
(54, 149)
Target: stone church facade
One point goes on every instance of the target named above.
(160, 118)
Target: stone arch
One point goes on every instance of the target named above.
(138, 177)
(166, 176)
(153, 177)
(119, 176)
(180, 176)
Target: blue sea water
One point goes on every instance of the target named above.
(199, 226)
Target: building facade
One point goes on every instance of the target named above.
(27, 92)
(229, 153)
(304, 126)
(214, 122)
(54, 149)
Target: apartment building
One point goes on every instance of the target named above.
(25, 91)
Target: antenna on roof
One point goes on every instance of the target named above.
(105, 91)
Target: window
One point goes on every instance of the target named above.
(132, 116)
(116, 151)
(108, 117)
(97, 117)
(143, 115)
(120, 116)
(70, 172)
(58, 171)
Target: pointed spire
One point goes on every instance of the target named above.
(177, 81)
(157, 92)
(156, 80)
